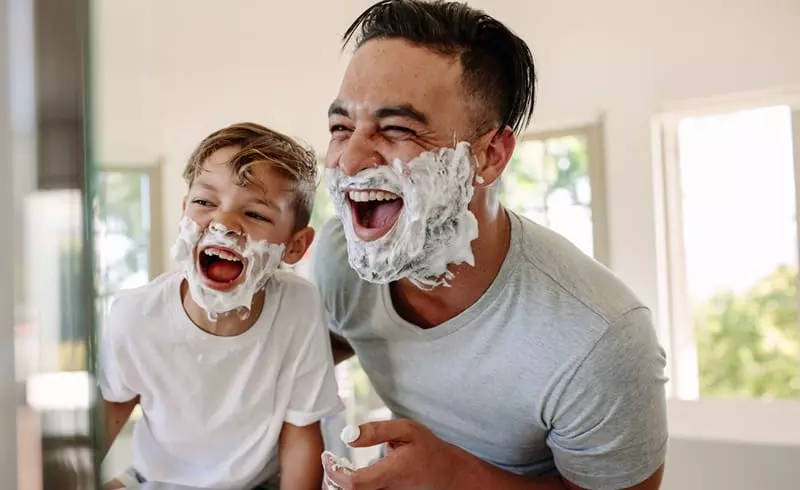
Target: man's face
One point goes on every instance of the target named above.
(396, 101)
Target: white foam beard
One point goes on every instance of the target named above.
(262, 259)
(435, 227)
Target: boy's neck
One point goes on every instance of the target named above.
(228, 325)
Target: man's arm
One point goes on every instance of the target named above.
(299, 452)
(615, 401)
(489, 476)
(341, 349)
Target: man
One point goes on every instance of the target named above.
(508, 358)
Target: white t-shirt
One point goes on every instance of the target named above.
(213, 406)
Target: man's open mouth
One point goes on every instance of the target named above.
(374, 212)
(220, 267)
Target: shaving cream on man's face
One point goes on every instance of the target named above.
(418, 212)
(223, 274)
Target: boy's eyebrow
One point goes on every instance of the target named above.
(206, 186)
(265, 202)
(254, 200)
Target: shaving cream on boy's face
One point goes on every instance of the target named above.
(423, 202)
(223, 274)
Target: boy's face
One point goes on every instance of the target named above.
(260, 210)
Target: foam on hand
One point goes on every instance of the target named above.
(435, 228)
(337, 464)
(350, 434)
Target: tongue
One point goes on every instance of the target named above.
(224, 270)
(383, 213)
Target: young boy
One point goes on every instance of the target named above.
(228, 359)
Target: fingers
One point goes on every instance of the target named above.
(113, 485)
(374, 433)
(373, 477)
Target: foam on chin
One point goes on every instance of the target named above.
(262, 259)
(435, 228)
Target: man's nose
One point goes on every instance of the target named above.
(359, 154)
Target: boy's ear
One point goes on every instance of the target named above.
(298, 245)
(183, 206)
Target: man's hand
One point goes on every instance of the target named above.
(415, 457)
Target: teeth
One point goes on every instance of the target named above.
(366, 196)
(221, 254)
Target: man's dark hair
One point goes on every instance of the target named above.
(497, 65)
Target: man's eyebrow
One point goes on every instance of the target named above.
(402, 110)
(337, 108)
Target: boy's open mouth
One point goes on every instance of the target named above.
(374, 212)
(221, 268)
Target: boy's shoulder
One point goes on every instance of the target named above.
(299, 305)
(295, 287)
(150, 301)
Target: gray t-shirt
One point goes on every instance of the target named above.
(555, 368)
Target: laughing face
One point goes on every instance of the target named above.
(416, 211)
(401, 185)
(233, 236)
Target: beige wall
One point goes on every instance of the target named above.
(166, 73)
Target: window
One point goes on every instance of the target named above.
(731, 202)
(127, 254)
(125, 234)
(555, 179)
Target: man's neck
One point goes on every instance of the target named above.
(429, 309)
(226, 325)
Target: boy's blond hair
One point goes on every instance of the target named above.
(260, 145)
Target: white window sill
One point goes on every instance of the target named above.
(764, 422)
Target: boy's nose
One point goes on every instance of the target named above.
(226, 223)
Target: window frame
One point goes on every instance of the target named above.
(593, 132)
(768, 421)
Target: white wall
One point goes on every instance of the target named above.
(695, 465)
(167, 73)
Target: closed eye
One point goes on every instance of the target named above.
(258, 217)
(336, 128)
(398, 129)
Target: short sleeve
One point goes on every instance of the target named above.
(114, 363)
(609, 429)
(315, 393)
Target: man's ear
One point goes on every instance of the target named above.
(298, 245)
(494, 155)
